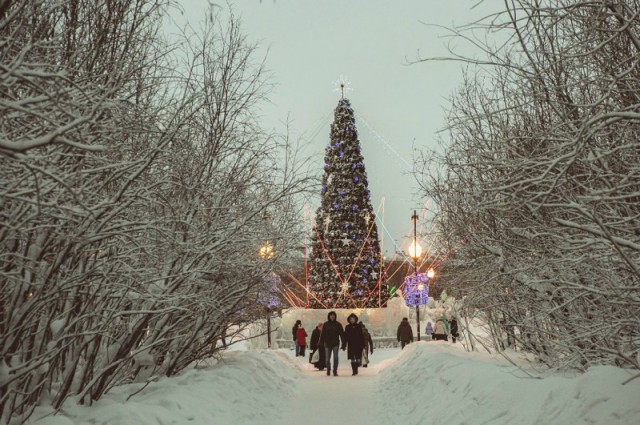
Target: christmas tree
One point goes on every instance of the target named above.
(346, 265)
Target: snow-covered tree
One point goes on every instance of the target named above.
(538, 183)
(133, 182)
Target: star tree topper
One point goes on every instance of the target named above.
(342, 85)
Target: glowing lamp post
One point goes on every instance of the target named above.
(269, 300)
(416, 292)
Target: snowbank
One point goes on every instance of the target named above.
(431, 381)
(427, 382)
(245, 388)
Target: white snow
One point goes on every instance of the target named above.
(427, 382)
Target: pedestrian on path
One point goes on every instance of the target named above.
(440, 332)
(429, 330)
(314, 345)
(446, 323)
(454, 329)
(405, 333)
(294, 332)
(301, 340)
(354, 340)
(368, 346)
(331, 336)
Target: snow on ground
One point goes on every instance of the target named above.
(427, 382)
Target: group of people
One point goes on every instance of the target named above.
(328, 337)
(440, 332)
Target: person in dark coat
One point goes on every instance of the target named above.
(453, 324)
(405, 333)
(354, 340)
(368, 346)
(331, 336)
(294, 331)
(314, 344)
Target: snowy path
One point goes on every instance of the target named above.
(426, 383)
(322, 399)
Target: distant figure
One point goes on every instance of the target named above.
(405, 333)
(354, 339)
(294, 331)
(331, 336)
(446, 323)
(368, 346)
(314, 345)
(429, 330)
(301, 340)
(454, 329)
(440, 332)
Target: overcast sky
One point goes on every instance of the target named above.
(399, 107)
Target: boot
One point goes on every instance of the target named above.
(328, 371)
(354, 369)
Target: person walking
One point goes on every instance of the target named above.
(314, 345)
(440, 332)
(454, 329)
(331, 336)
(368, 346)
(301, 340)
(354, 340)
(429, 330)
(446, 323)
(294, 332)
(405, 333)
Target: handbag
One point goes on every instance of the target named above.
(365, 357)
(315, 357)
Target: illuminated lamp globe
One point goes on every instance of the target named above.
(266, 250)
(431, 273)
(415, 250)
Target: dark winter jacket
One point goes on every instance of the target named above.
(353, 338)
(294, 330)
(405, 333)
(454, 327)
(332, 332)
(368, 342)
(314, 344)
(301, 336)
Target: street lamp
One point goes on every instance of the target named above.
(415, 250)
(266, 252)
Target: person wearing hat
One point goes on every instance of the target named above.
(301, 340)
(314, 345)
(331, 336)
(405, 333)
(294, 331)
(354, 339)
